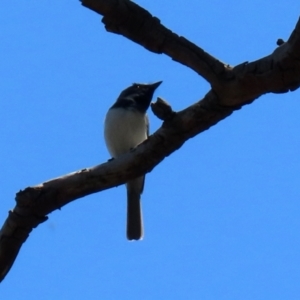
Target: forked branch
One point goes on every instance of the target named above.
(231, 88)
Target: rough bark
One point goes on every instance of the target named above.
(231, 88)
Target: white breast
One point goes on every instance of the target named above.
(123, 130)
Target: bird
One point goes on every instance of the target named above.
(126, 126)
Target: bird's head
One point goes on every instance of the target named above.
(138, 95)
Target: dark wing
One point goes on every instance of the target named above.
(147, 125)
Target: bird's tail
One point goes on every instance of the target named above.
(134, 209)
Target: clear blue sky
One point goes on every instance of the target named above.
(222, 214)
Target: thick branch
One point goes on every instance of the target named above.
(277, 73)
(134, 22)
(34, 203)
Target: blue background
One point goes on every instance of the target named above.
(221, 214)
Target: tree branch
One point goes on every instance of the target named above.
(279, 72)
(231, 89)
(137, 24)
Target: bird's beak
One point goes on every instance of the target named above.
(155, 85)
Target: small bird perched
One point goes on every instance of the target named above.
(126, 126)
